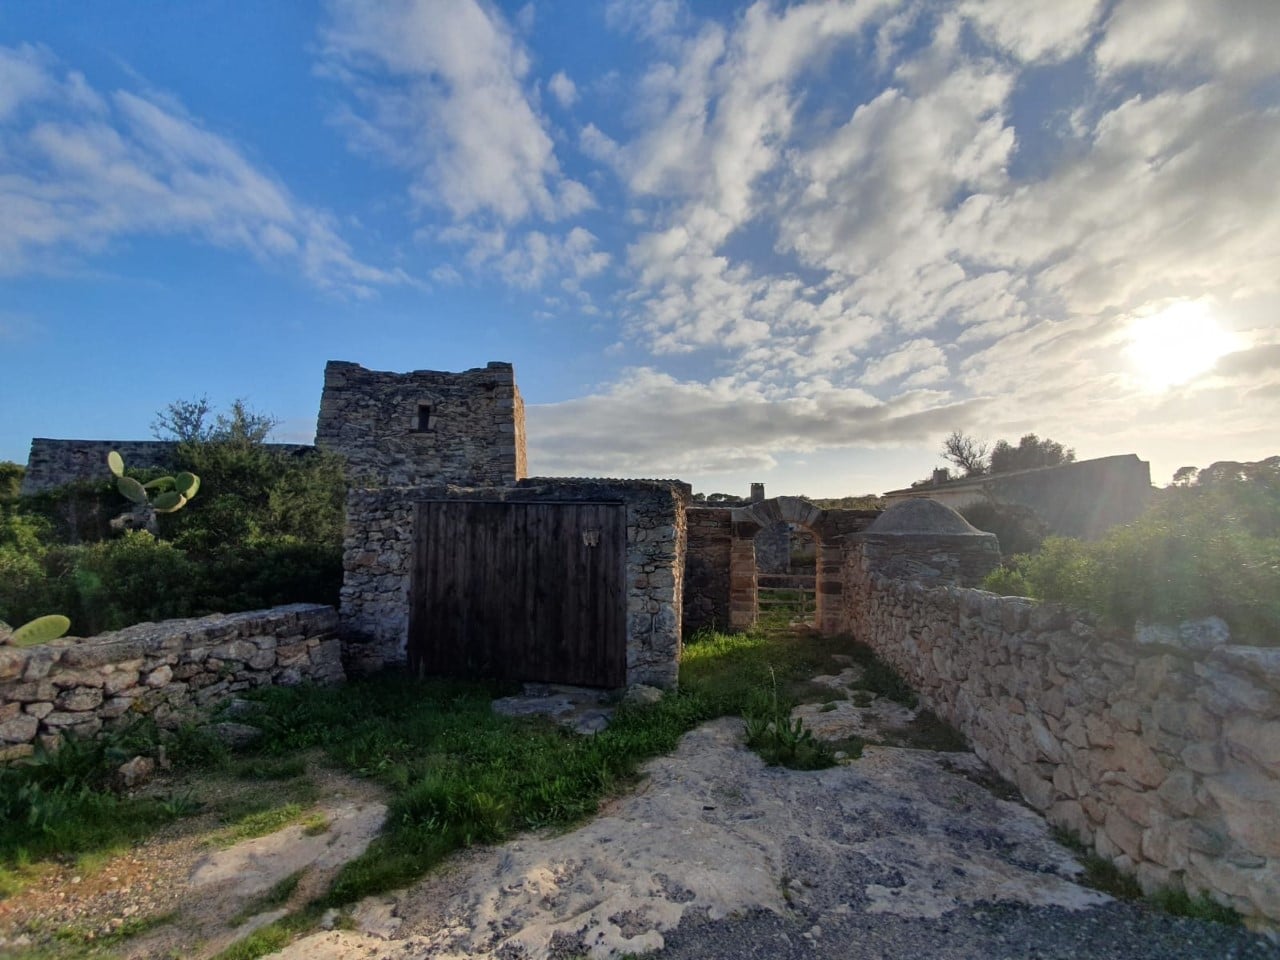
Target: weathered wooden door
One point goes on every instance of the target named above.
(520, 591)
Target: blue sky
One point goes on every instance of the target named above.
(792, 243)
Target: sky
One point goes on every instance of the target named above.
(790, 243)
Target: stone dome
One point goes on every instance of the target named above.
(920, 515)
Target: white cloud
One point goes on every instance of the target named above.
(79, 171)
(933, 234)
(914, 355)
(563, 89)
(1222, 37)
(675, 427)
(1034, 31)
(440, 90)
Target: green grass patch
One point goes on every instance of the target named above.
(1181, 904)
(274, 898)
(258, 823)
(270, 768)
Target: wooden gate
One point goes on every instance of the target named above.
(520, 591)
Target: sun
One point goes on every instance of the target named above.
(1172, 346)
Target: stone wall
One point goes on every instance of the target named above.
(378, 546)
(424, 427)
(1160, 749)
(1084, 499)
(706, 569)
(55, 463)
(773, 549)
(161, 670)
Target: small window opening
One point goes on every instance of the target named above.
(425, 421)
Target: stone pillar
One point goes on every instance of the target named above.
(743, 600)
(830, 588)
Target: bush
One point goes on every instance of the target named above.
(1204, 550)
(1019, 529)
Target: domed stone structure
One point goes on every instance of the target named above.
(920, 515)
(921, 539)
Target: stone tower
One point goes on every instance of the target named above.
(424, 427)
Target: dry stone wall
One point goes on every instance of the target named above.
(706, 569)
(55, 463)
(377, 562)
(1161, 749)
(428, 426)
(161, 670)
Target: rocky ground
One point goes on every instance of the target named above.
(902, 853)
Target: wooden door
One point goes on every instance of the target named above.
(520, 591)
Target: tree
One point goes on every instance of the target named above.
(965, 452)
(187, 421)
(184, 421)
(242, 425)
(1030, 452)
(11, 475)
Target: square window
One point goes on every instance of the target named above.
(424, 422)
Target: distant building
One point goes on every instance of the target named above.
(1083, 499)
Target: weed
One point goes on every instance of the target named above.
(315, 824)
(277, 896)
(1181, 904)
(258, 823)
(270, 768)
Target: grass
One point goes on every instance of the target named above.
(456, 773)
(274, 898)
(1102, 874)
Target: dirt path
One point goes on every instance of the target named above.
(188, 890)
(715, 854)
(714, 833)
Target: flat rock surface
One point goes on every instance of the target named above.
(898, 854)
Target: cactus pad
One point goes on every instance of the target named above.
(115, 463)
(132, 489)
(187, 484)
(159, 483)
(41, 630)
(168, 502)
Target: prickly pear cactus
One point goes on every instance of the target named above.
(170, 495)
(41, 630)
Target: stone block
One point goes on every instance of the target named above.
(262, 660)
(235, 650)
(1249, 802)
(79, 699)
(1204, 758)
(160, 676)
(1136, 759)
(77, 678)
(1256, 740)
(20, 729)
(1177, 794)
(1224, 693)
(1124, 833)
(119, 681)
(1164, 843)
(40, 660)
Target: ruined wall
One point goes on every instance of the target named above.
(1161, 749)
(1083, 499)
(161, 670)
(428, 426)
(773, 549)
(706, 569)
(377, 559)
(55, 463)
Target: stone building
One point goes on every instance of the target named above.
(424, 427)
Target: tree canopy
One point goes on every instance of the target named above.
(972, 457)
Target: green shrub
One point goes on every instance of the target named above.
(1212, 549)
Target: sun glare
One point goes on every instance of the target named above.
(1172, 346)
